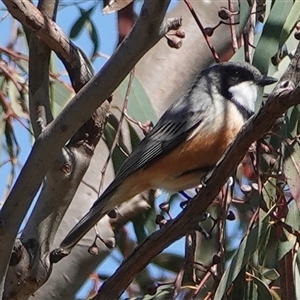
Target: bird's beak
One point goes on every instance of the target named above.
(265, 80)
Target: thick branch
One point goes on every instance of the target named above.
(26, 275)
(51, 34)
(39, 57)
(185, 222)
(148, 30)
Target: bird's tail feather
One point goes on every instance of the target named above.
(84, 225)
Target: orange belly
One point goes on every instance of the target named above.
(185, 165)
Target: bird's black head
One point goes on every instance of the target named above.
(232, 74)
(236, 82)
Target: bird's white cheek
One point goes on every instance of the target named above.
(245, 93)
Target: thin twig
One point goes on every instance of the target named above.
(235, 45)
(101, 54)
(207, 39)
(4, 16)
(118, 132)
(248, 34)
(17, 56)
(7, 73)
(222, 227)
(10, 112)
(129, 118)
(201, 284)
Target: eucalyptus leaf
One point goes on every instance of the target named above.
(290, 22)
(246, 249)
(80, 23)
(61, 94)
(289, 240)
(110, 130)
(93, 33)
(291, 167)
(263, 290)
(244, 13)
(139, 105)
(268, 44)
(271, 274)
(15, 97)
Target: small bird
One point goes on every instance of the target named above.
(187, 141)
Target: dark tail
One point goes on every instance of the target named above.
(84, 225)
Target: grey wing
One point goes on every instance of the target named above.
(173, 127)
(170, 131)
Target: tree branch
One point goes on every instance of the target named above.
(51, 34)
(148, 29)
(33, 268)
(39, 57)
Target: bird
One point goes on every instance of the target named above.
(187, 141)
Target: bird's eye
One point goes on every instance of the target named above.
(235, 75)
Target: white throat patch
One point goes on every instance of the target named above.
(245, 93)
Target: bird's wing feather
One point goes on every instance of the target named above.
(174, 127)
(171, 130)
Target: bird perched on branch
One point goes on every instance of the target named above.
(187, 141)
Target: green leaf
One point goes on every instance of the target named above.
(150, 224)
(286, 244)
(277, 71)
(134, 138)
(291, 122)
(110, 130)
(288, 241)
(139, 229)
(268, 44)
(269, 192)
(293, 216)
(246, 249)
(144, 224)
(61, 94)
(15, 97)
(93, 33)
(291, 167)
(139, 105)
(271, 274)
(244, 13)
(9, 138)
(289, 24)
(80, 23)
(263, 290)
